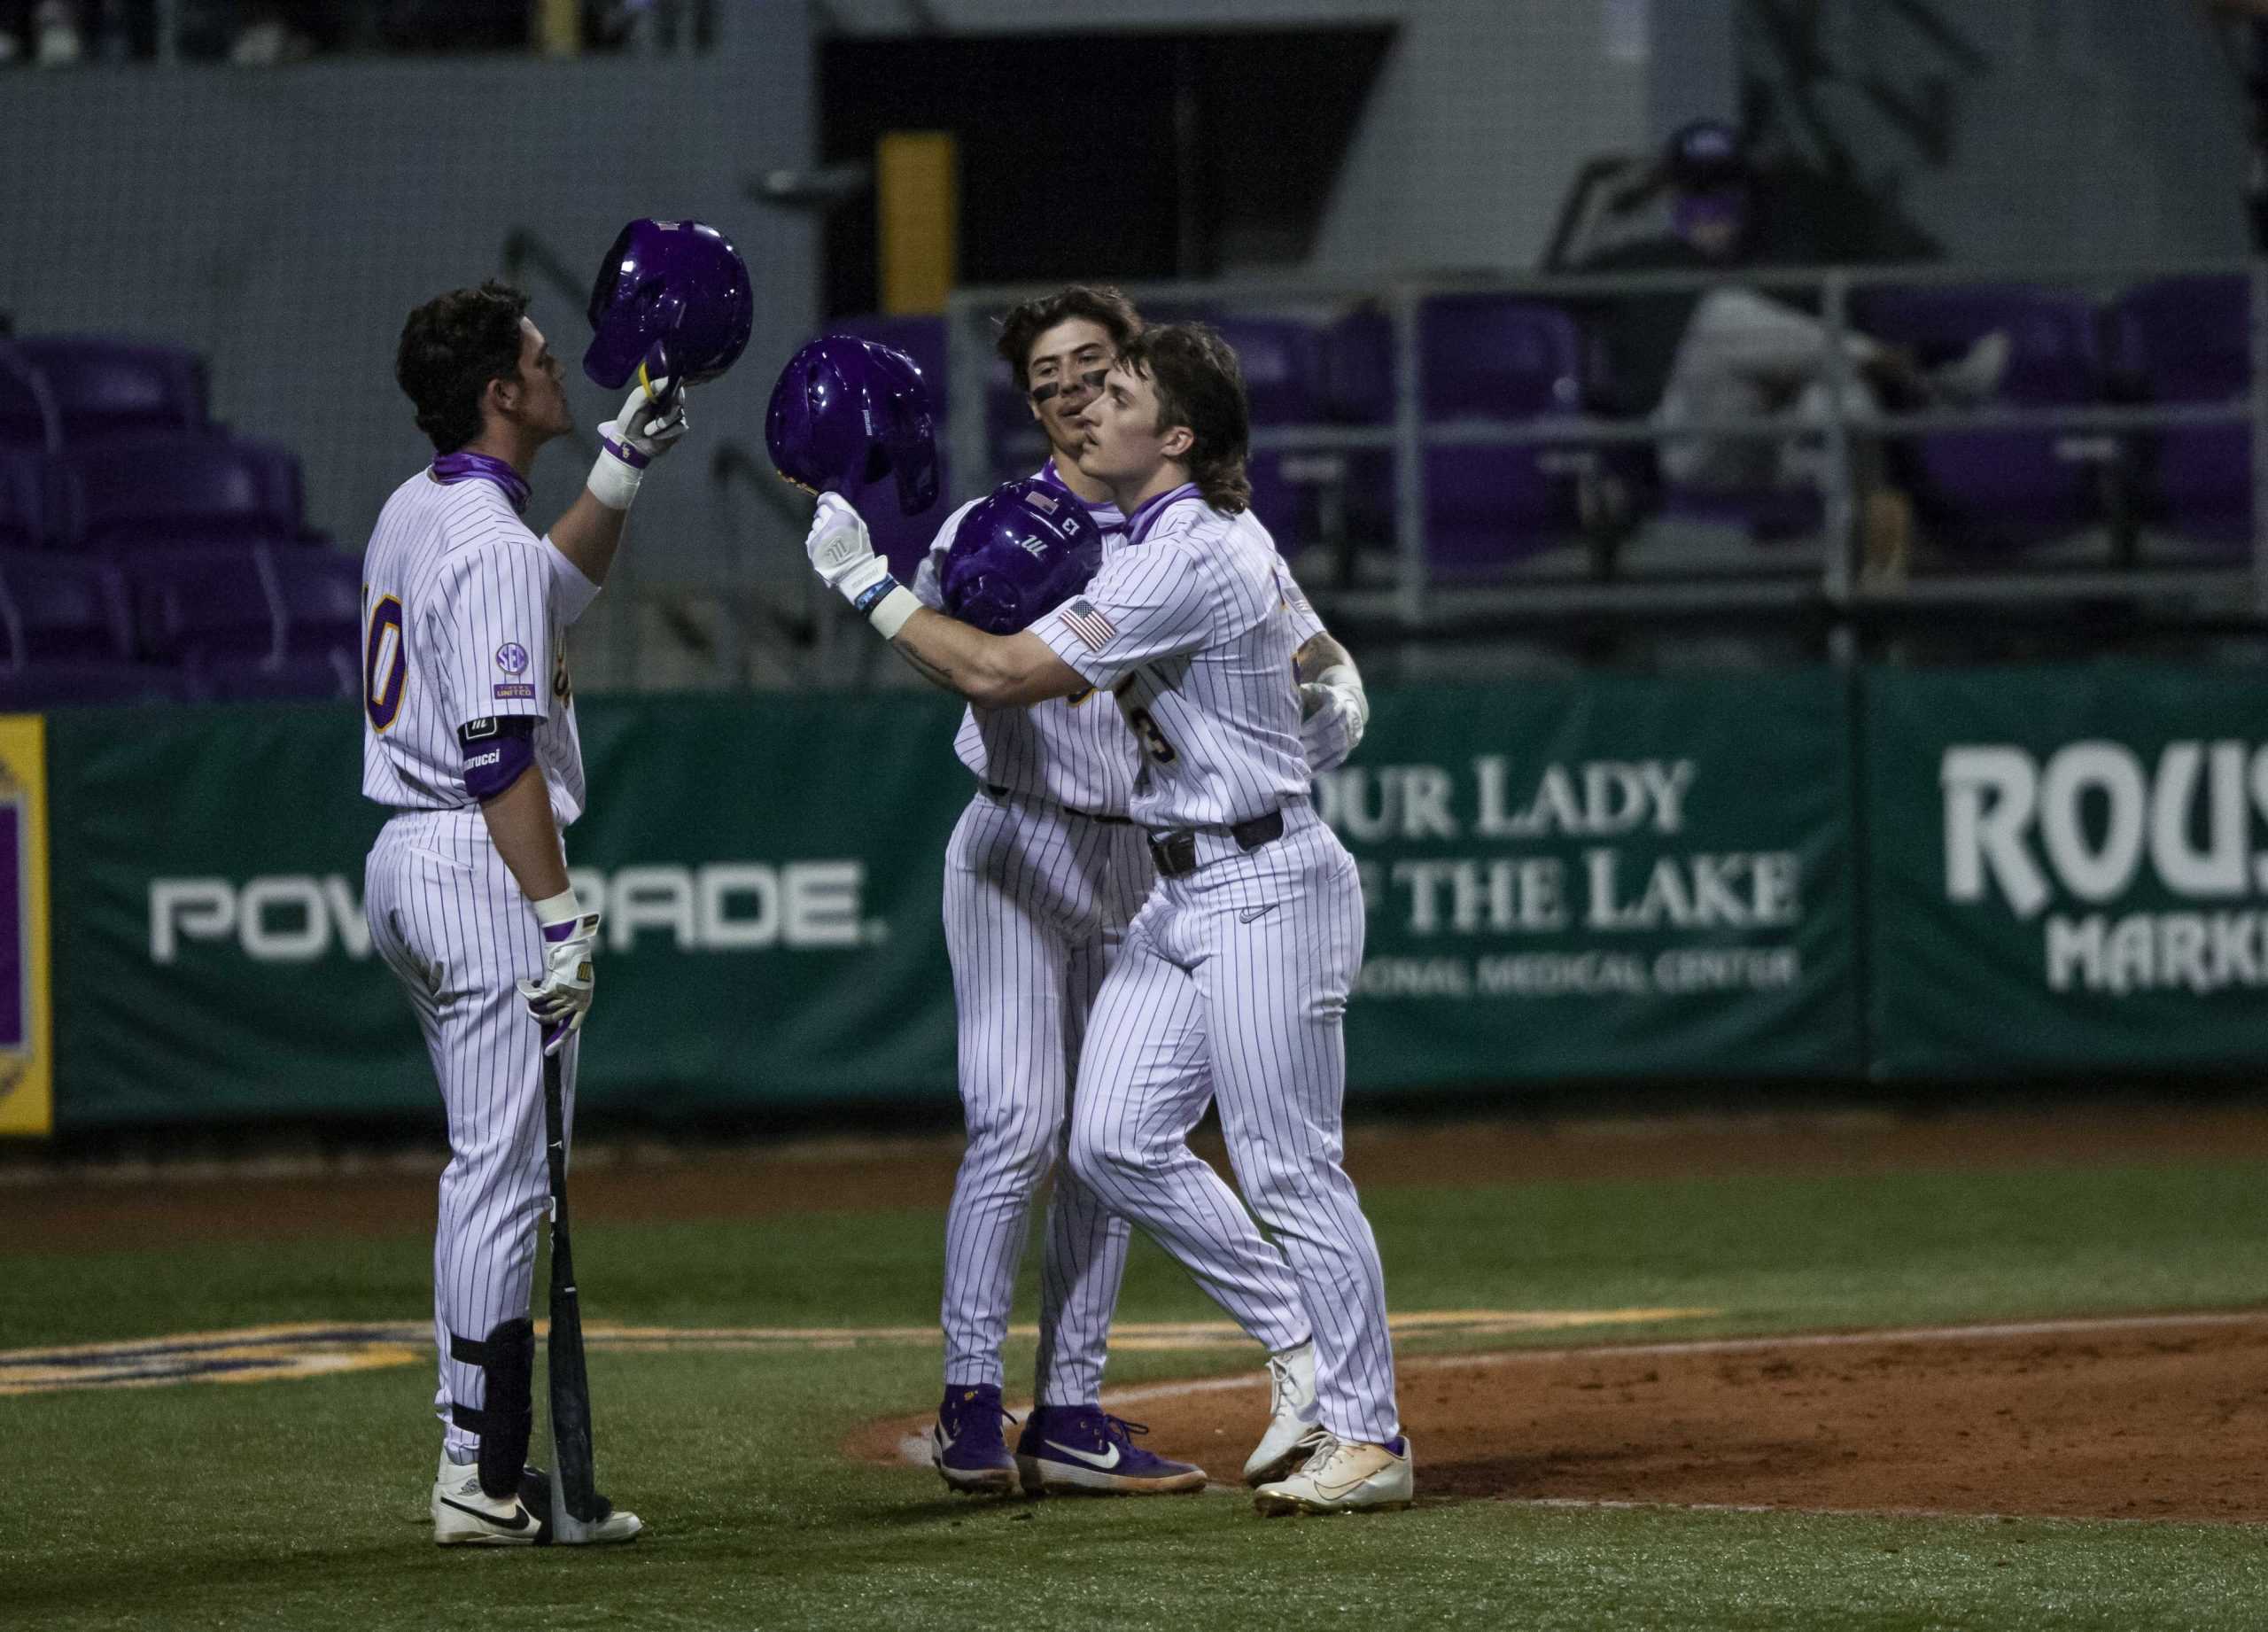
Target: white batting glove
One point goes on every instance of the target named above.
(651, 421)
(1334, 710)
(842, 551)
(560, 996)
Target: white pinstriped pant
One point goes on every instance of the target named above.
(1232, 985)
(1036, 903)
(452, 924)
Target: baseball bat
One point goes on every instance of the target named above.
(574, 1481)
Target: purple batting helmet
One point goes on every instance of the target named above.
(1023, 549)
(676, 285)
(848, 412)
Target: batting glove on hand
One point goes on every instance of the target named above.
(651, 421)
(560, 996)
(842, 551)
(1333, 716)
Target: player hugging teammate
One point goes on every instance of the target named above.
(1140, 900)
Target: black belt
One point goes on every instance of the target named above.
(999, 792)
(1175, 853)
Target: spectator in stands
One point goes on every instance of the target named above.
(1688, 355)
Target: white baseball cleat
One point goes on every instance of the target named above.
(1293, 1431)
(1344, 1476)
(464, 1515)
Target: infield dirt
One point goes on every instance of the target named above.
(2128, 1418)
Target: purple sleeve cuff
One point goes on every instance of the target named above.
(622, 451)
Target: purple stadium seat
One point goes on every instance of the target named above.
(316, 676)
(1356, 354)
(202, 603)
(2189, 339)
(182, 490)
(320, 594)
(1481, 356)
(1998, 488)
(1500, 358)
(28, 419)
(62, 609)
(28, 500)
(68, 685)
(1282, 360)
(105, 388)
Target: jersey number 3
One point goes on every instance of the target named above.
(1154, 740)
(385, 666)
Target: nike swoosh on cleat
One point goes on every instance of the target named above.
(1092, 1459)
(519, 1519)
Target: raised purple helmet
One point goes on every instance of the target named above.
(1022, 551)
(848, 412)
(674, 295)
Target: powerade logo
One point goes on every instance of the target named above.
(2093, 821)
(725, 907)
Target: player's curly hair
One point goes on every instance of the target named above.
(1097, 303)
(1200, 385)
(451, 347)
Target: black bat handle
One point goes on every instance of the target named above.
(569, 1382)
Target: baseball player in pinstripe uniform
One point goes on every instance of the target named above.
(1232, 981)
(469, 735)
(1045, 871)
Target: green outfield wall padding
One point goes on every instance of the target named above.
(1724, 875)
(2067, 869)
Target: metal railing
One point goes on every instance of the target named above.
(1417, 603)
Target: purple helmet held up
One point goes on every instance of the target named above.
(848, 412)
(674, 294)
(1022, 551)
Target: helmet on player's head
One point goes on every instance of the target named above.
(1023, 549)
(848, 412)
(676, 284)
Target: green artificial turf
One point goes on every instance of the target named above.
(302, 1503)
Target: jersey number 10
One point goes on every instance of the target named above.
(385, 666)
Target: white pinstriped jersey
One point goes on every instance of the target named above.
(465, 616)
(1073, 750)
(1191, 623)
(1068, 749)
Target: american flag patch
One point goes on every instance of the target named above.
(1081, 619)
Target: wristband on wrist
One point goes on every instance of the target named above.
(560, 909)
(888, 605)
(616, 474)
